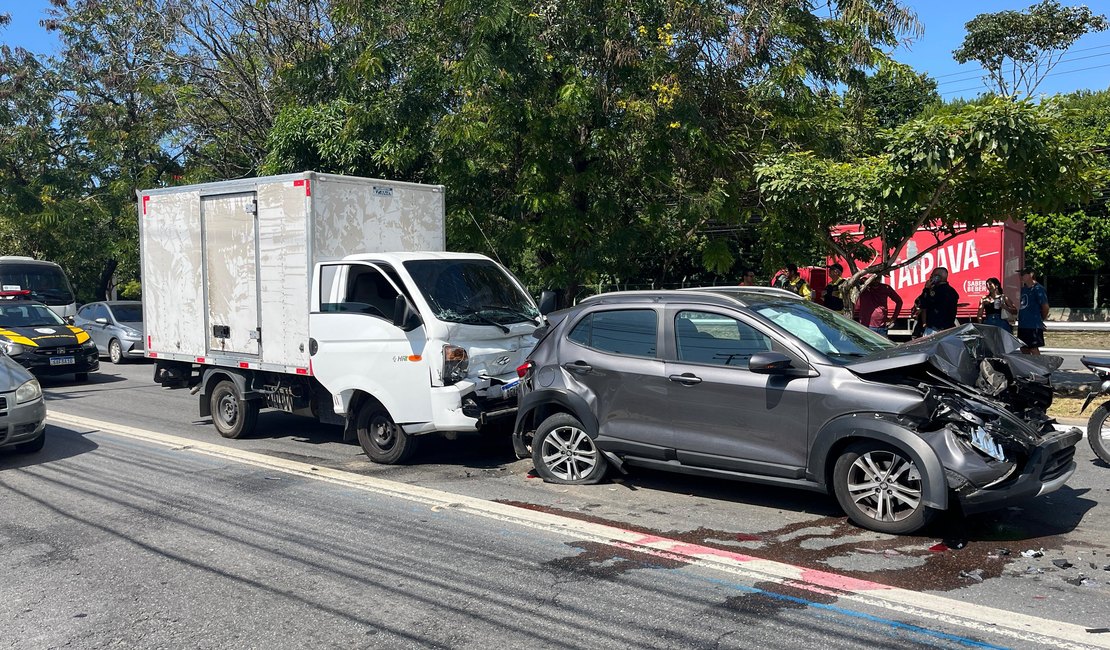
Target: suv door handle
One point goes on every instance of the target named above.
(578, 367)
(686, 379)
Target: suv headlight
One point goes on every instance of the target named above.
(28, 392)
(12, 349)
(130, 334)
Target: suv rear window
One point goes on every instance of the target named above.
(624, 331)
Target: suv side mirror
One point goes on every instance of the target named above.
(769, 363)
(549, 302)
(404, 316)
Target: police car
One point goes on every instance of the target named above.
(39, 340)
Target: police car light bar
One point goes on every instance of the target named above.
(15, 294)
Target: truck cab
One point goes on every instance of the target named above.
(433, 338)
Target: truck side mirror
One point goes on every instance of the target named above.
(549, 302)
(404, 316)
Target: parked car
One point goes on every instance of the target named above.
(39, 340)
(116, 327)
(22, 409)
(773, 389)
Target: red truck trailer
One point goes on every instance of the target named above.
(971, 257)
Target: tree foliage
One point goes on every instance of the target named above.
(1018, 49)
(964, 167)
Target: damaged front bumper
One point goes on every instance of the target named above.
(981, 483)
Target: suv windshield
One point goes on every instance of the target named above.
(471, 291)
(27, 315)
(46, 282)
(824, 330)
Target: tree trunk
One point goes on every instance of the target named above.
(106, 279)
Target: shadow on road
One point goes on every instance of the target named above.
(61, 443)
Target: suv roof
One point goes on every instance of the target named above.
(728, 296)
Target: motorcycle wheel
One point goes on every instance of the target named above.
(1098, 432)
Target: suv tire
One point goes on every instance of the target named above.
(564, 453)
(880, 488)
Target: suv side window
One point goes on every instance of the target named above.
(716, 339)
(623, 331)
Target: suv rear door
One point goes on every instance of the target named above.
(610, 358)
(723, 415)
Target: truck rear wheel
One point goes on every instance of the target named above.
(382, 440)
(233, 416)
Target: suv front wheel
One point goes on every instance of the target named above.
(881, 488)
(563, 452)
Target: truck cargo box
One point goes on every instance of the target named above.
(227, 266)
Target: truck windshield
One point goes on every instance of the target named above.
(471, 291)
(46, 282)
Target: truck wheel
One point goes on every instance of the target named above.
(115, 352)
(233, 416)
(880, 488)
(564, 453)
(32, 446)
(382, 440)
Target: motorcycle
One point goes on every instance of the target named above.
(1098, 429)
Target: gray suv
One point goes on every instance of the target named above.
(762, 386)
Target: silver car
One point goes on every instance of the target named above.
(765, 387)
(22, 409)
(116, 326)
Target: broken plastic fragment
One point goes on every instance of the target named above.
(1032, 553)
(1062, 564)
(974, 574)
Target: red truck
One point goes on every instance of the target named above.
(972, 256)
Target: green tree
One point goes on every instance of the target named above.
(1018, 49)
(966, 166)
(586, 142)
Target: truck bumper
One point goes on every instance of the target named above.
(460, 408)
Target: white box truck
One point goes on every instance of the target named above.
(328, 296)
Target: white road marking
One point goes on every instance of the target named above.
(986, 620)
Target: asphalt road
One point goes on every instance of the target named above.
(117, 540)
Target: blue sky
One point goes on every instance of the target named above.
(1086, 65)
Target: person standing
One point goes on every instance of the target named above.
(748, 279)
(1032, 312)
(795, 283)
(872, 306)
(834, 294)
(939, 302)
(992, 305)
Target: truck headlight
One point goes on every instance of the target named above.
(28, 392)
(455, 363)
(12, 349)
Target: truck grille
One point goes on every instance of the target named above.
(1057, 464)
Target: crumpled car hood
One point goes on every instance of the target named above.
(958, 354)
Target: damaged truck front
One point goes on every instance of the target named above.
(982, 412)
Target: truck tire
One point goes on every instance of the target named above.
(382, 440)
(233, 416)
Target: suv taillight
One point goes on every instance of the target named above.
(523, 369)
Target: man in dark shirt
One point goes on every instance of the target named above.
(938, 302)
(834, 298)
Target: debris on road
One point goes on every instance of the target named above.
(1062, 564)
(1033, 553)
(974, 574)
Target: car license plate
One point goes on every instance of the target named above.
(509, 389)
(61, 361)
